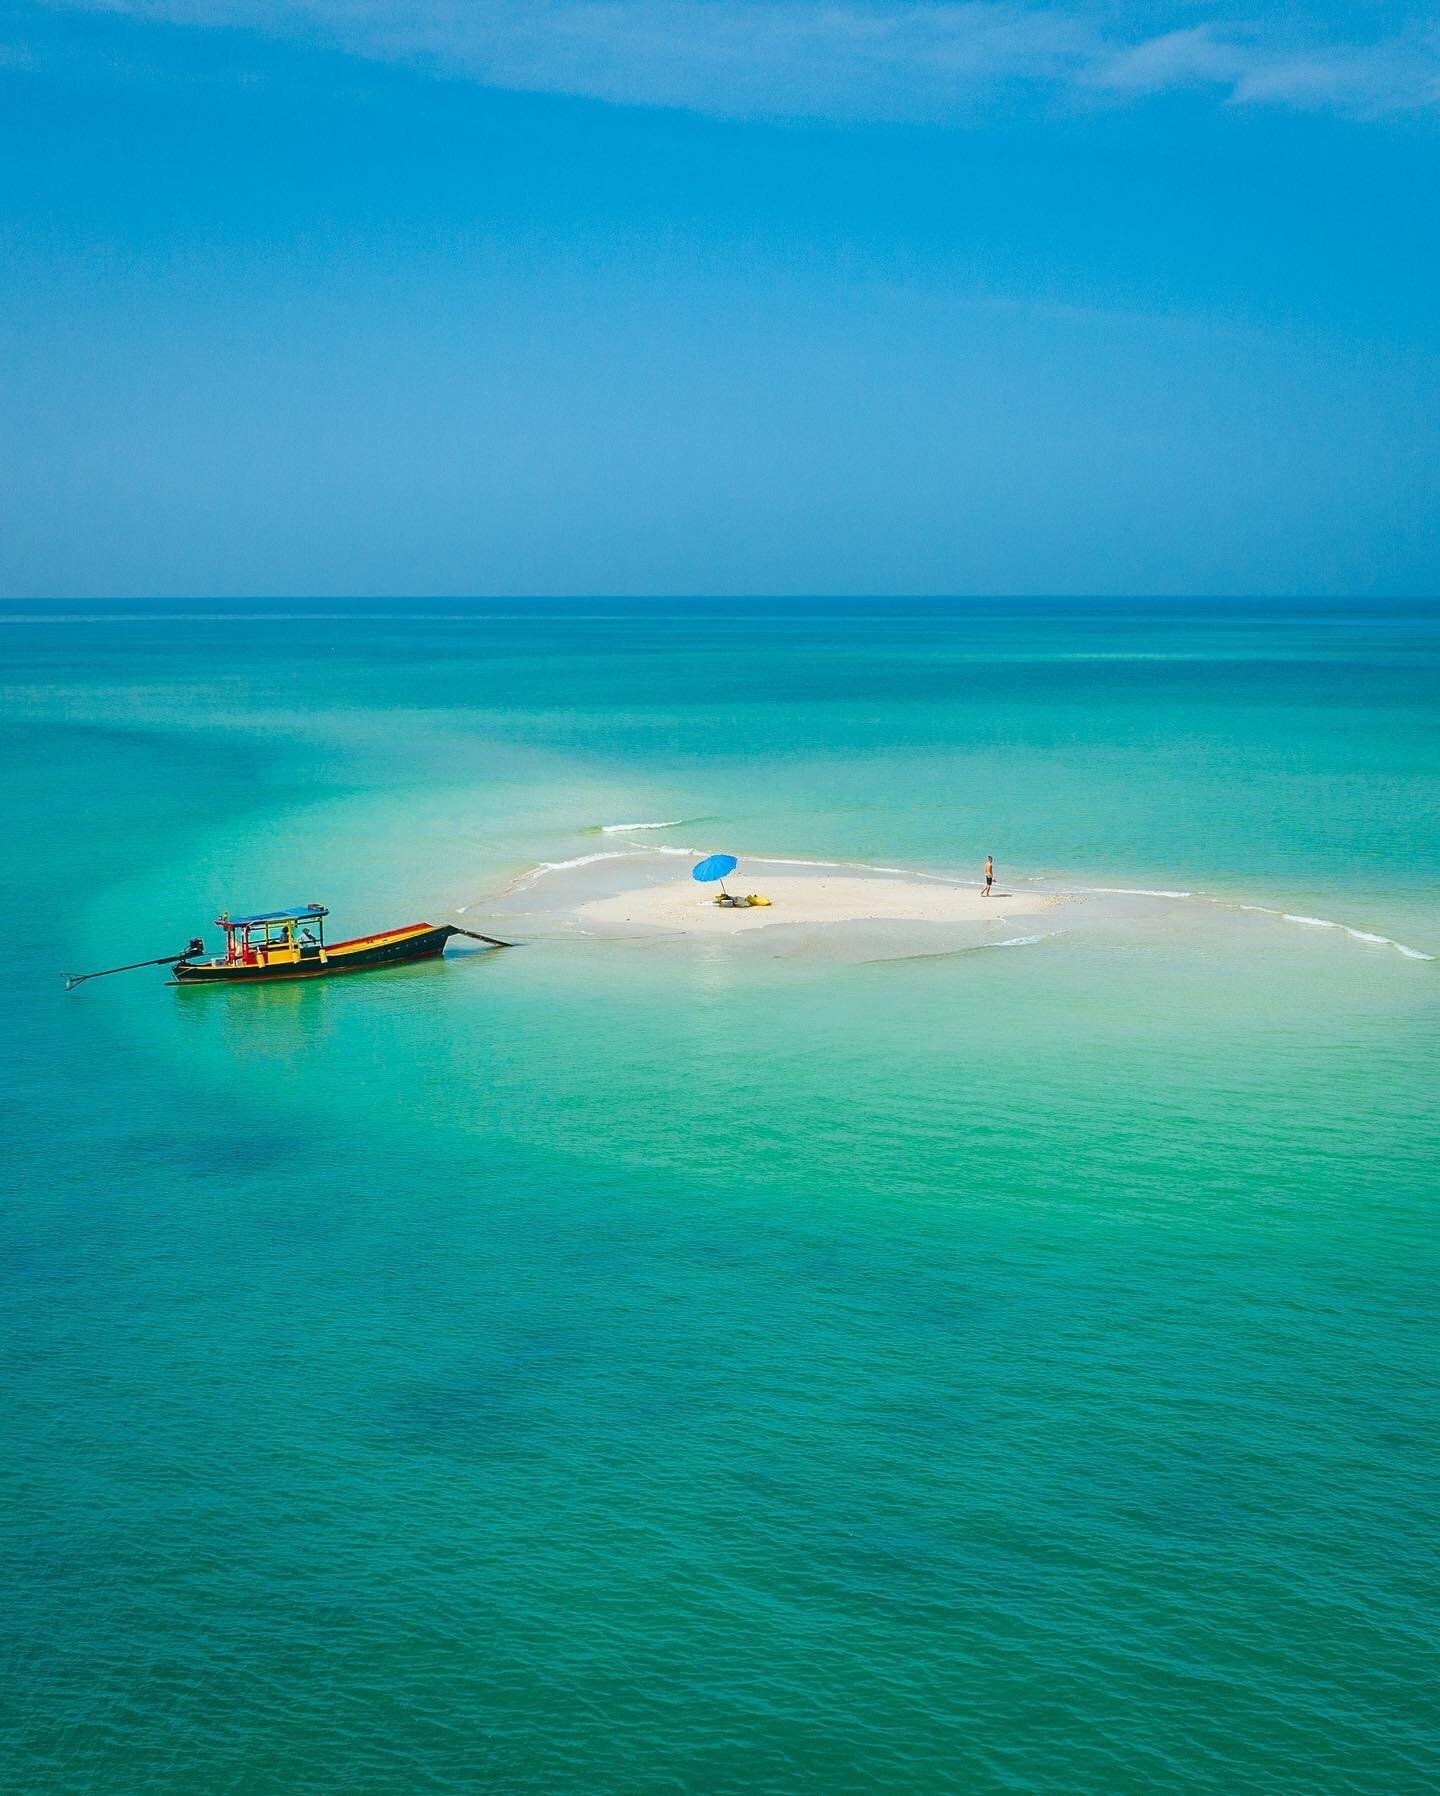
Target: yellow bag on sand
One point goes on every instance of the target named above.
(755, 898)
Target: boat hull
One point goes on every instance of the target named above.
(422, 941)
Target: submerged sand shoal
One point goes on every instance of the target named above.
(680, 905)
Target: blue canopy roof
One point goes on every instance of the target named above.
(297, 913)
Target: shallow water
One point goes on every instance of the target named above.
(625, 1366)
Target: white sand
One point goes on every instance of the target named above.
(681, 905)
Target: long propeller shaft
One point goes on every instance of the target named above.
(161, 960)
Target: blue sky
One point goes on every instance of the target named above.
(782, 296)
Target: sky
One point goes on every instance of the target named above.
(446, 297)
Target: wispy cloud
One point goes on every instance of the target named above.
(836, 59)
(1396, 74)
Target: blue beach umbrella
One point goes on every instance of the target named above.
(714, 866)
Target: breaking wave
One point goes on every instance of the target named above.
(1359, 935)
(541, 868)
(1010, 941)
(580, 860)
(772, 860)
(1132, 892)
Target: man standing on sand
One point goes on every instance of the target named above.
(989, 874)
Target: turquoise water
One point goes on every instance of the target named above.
(595, 1369)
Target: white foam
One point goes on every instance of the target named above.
(1132, 892)
(770, 860)
(624, 829)
(1359, 935)
(1386, 941)
(581, 860)
(1017, 941)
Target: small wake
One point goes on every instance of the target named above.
(625, 829)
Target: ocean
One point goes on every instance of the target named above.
(589, 1369)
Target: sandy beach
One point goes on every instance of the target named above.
(681, 905)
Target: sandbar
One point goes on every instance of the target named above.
(681, 906)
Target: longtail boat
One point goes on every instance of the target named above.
(290, 944)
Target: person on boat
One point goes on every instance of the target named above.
(989, 874)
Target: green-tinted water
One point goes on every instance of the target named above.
(613, 1369)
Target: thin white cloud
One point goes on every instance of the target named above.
(832, 59)
(1389, 76)
(1175, 59)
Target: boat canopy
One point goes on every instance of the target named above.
(299, 913)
